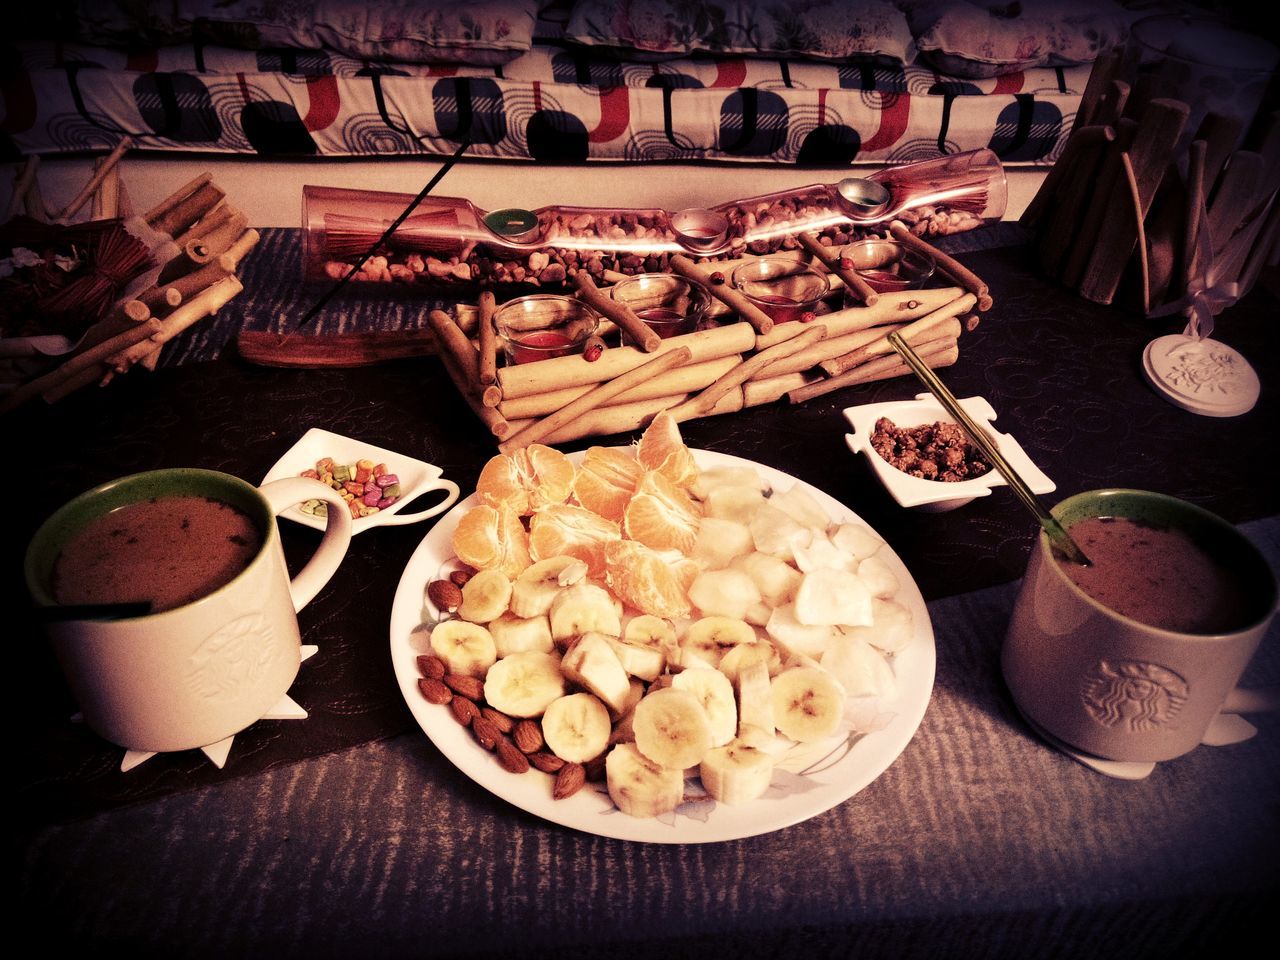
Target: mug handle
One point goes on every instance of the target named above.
(285, 493)
(394, 519)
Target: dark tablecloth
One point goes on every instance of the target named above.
(978, 835)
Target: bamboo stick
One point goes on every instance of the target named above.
(22, 184)
(179, 218)
(206, 224)
(452, 341)
(724, 292)
(1089, 137)
(218, 240)
(171, 201)
(85, 377)
(912, 333)
(205, 304)
(702, 403)
(124, 317)
(89, 189)
(82, 361)
(683, 379)
(768, 389)
(891, 308)
(1234, 194)
(943, 353)
(106, 199)
(1105, 67)
(1074, 208)
(629, 417)
(161, 300)
(832, 348)
(634, 329)
(595, 398)
(489, 416)
(850, 278)
(949, 265)
(238, 250)
(488, 338)
(522, 380)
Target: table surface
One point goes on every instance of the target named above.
(978, 840)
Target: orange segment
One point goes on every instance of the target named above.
(530, 478)
(562, 529)
(492, 538)
(662, 449)
(607, 477)
(661, 515)
(646, 580)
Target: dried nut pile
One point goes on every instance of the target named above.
(931, 451)
(635, 663)
(761, 228)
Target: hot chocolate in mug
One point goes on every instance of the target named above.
(212, 655)
(1116, 686)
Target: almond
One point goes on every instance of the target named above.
(470, 687)
(444, 595)
(459, 578)
(546, 761)
(498, 719)
(595, 769)
(434, 690)
(431, 666)
(485, 732)
(528, 736)
(512, 760)
(569, 780)
(464, 710)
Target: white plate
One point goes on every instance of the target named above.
(934, 495)
(416, 477)
(811, 780)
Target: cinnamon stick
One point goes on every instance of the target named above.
(206, 224)
(703, 402)
(107, 165)
(218, 239)
(1088, 137)
(1105, 67)
(488, 338)
(724, 292)
(949, 265)
(595, 398)
(171, 201)
(850, 278)
(188, 210)
(635, 329)
(451, 341)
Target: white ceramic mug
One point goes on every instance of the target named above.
(1112, 686)
(203, 671)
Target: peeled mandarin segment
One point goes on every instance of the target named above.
(662, 448)
(606, 480)
(548, 474)
(661, 515)
(475, 540)
(644, 579)
(562, 529)
(500, 482)
(514, 541)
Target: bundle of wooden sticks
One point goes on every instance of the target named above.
(1121, 205)
(720, 369)
(198, 239)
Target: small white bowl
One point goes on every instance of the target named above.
(936, 496)
(416, 477)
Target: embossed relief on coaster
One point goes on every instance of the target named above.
(1133, 694)
(1204, 376)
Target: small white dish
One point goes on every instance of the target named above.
(934, 495)
(416, 478)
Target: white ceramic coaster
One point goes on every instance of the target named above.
(1203, 376)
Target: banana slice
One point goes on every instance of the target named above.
(744, 654)
(807, 704)
(719, 631)
(576, 727)
(485, 596)
(647, 630)
(829, 597)
(715, 693)
(861, 669)
(583, 608)
(524, 684)
(755, 699)
(466, 648)
(512, 634)
(623, 731)
(535, 589)
(728, 593)
(642, 661)
(672, 729)
(638, 786)
(592, 664)
(736, 773)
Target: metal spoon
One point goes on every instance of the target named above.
(1057, 534)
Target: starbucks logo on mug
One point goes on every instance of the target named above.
(232, 658)
(1133, 694)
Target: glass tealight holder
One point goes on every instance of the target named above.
(669, 305)
(543, 326)
(784, 289)
(888, 266)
